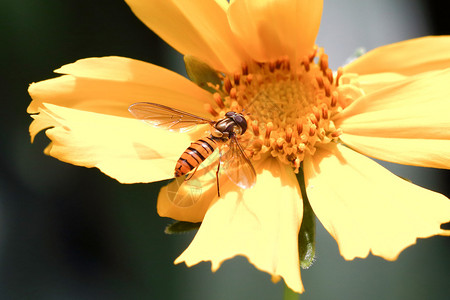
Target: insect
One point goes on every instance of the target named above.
(224, 132)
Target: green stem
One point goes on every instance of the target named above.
(289, 294)
(307, 234)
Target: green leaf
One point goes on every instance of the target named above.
(201, 73)
(181, 227)
(307, 234)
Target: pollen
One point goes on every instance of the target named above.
(289, 106)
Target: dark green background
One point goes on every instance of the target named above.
(73, 233)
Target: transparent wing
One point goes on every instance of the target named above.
(184, 193)
(200, 186)
(237, 166)
(162, 116)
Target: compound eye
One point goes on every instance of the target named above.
(241, 121)
(238, 119)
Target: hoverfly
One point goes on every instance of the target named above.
(223, 132)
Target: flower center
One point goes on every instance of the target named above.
(289, 108)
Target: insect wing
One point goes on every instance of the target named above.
(186, 191)
(166, 117)
(237, 166)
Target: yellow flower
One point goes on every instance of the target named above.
(391, 104)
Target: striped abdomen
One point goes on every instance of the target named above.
(194, 155)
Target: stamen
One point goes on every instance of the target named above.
(289, 107)
(337, 133)
(287, 64)
(255, 128)
(317, 115)
(324, 63)
(211, 110)
(327, 88)
(319, 80)
(299, 127)
(272, 66)
(312, 130)
(233, 93)
(313, 119)
(305, 63)
(288, 134)
(269, 128)
(237, 78)
(279, 63)
(324, 112)
(339, 73)
(280, 143)
(249, 79)
(244, 68)
(301, 147)
(227, 84)
(218, 100)
(296, 164)
(313, 53)
(334, 99)
(329, 75)
(303, 138)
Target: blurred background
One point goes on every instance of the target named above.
(68, 232)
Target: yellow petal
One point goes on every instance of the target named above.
(370, 83)
(198, 28)
(367, 208)
(123, 148)
(407, 57)
(413, 152)
(261, 223)
(272, 29)
(406, 122)
(108, 85)
(223, 4)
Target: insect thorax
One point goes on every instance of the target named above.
(226, 128)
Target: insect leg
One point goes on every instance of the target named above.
(217, 177)
(190, 176)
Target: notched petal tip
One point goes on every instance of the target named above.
(272, 222)
(368, 208)
(112, 144)
(404, 122)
